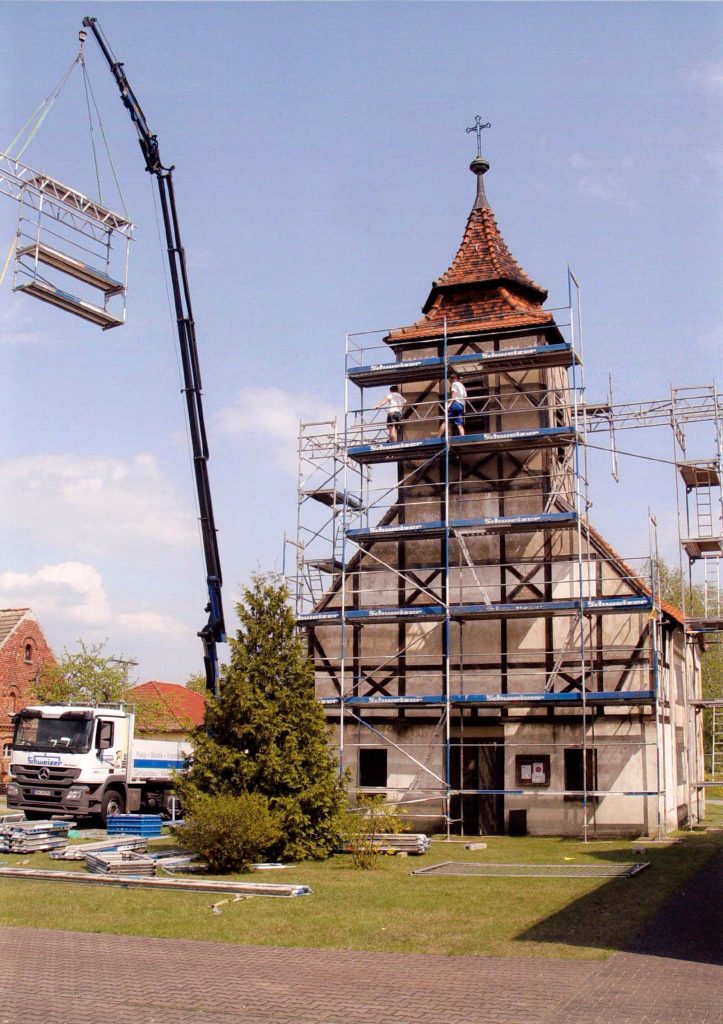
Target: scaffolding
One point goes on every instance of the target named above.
(66, 240)
(414, 553)
(699, 499)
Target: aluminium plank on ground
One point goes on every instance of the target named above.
(185, 885)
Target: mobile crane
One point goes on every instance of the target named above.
(214, 631)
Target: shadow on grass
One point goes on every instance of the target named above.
(672, 909)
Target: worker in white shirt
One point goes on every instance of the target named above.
(455, 406)
(394, 403)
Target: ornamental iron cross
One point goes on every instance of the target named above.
(477, 127)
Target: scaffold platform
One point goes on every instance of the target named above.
(523, 700)
(699, 547)
(494, 610)
(701, 625)
(70, 303)
(334, 498)
(488, 524)
(505, 440)
(699, 474)
(472, 365)
(73, 267)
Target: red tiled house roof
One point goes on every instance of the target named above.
(484, 288)
(170, 707)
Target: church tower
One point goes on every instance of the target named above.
(486, 659)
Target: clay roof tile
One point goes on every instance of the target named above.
(172, 707)
(484, 288)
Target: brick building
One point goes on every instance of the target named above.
(23, 652)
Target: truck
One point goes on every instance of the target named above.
(79, 761)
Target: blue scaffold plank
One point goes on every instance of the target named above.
(380, 700)
(493, 610)
(395, 451)
(564, 699)
(618, 604)
(501, 524)
(422, 612)
(332, 618)
(531, 609)
(390, 451)
(397, 530)
(567, 699)
(476, 363)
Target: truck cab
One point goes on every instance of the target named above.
(78, 761)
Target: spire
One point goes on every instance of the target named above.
(483, 257)
(484, 284)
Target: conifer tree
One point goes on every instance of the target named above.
(266, 733)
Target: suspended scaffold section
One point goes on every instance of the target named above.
(70, 251)
(64, 236)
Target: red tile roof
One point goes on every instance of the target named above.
(484, 288)
(172, 707)
(467, 310)
(483, 256)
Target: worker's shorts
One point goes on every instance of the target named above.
(394, 417)
(456, 414)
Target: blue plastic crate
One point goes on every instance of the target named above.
(135, 825)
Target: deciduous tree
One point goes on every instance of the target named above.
(88, 675)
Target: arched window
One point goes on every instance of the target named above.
(7, 749)
(28, 652)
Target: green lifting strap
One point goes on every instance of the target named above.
(42, 112)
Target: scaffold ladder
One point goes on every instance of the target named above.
(711, 587)
(704, 511)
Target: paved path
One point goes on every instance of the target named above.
(52, 977)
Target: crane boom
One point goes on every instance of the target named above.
(214, 631)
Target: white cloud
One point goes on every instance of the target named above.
(151, 624)
(72, 594)
(706, 75)
(273, 415)
(93, 503)
(603, 179)
(72, 589)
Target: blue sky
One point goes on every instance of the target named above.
(322, 184)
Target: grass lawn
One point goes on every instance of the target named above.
(389, 909)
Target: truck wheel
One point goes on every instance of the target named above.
(113, 803)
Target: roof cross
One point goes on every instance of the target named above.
(477, 127)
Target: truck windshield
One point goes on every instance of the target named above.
(69, 734)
